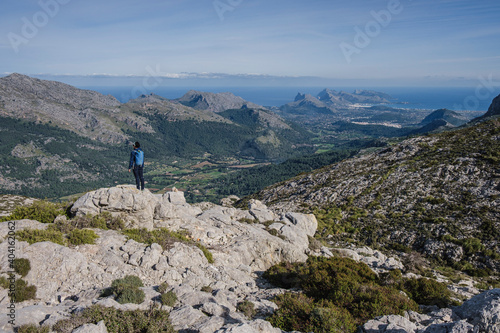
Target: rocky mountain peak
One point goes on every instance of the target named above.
(215, 102)
(494, 109)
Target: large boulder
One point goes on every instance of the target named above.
(482, 311)
(137, 207)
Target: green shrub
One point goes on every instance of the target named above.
(23, 291)
(126, 290)
(344, 283)
(428, 292)
(169, 298)
(82, 236)
(42, 211)
(117, 321)
(297, 312)
(35, 236)
(32, 328)
(131, 295)
(247, 307)
(22, 266)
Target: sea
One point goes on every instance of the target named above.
(425, 98)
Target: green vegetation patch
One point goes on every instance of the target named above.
(41, 210)
(54, 235)
(334, 283)
(21, 266)
(126, 290)
(117, 321)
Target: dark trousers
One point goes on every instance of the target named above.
(139, 176)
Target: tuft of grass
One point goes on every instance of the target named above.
(169, 298)
(32, 328)
(247, 307)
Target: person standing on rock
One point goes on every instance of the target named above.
(137, 164)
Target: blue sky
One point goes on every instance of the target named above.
(448, 41)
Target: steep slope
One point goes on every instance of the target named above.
(439, 195)
(87, 113)
(215, 102)
(494, 109)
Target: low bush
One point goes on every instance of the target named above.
(23, 291)
(21, 266)
(117, 321)
(297, 312)
(428, 292)
(131, 295)
(42, 211)
(35, 236)
(336, 283)
(126, 290)
(82, 236)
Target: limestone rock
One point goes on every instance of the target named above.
(91, 328)
(482, 311)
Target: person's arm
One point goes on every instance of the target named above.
(131, 163)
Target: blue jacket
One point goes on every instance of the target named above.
(136, 158)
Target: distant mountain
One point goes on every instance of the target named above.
(449, 116)
(174, 111)
(329, 101)
(305, 104)
(334, 98)
(215, 102)
(87, 113)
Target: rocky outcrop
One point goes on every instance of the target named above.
(68, 279)
(217, 226)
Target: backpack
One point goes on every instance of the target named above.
(139, 157)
